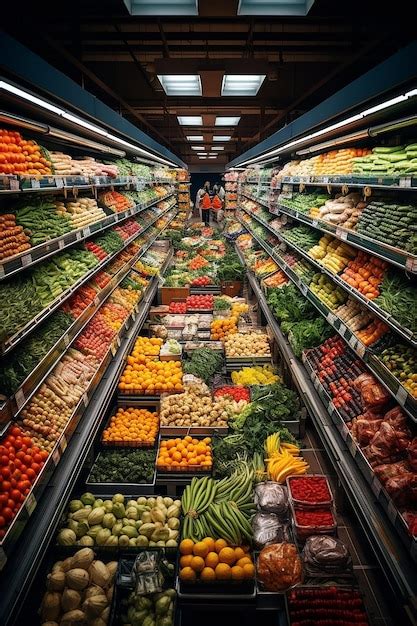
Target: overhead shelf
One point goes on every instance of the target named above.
(383, 525)
(395, 256)
(15, 339)
(404, 399)
(28, 258)
(405, 333)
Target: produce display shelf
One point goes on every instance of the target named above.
(355, 450)
(237, 363)
(213, 289)
(38, 253)
(14, 183)
(404, 399)
(405, 333)
(396, 256)
(30, 385)
(389, 549)
(376, 182)
(153, 239)
(201, 431)
(12, 341)
(19, 522)
(126, 488)
(23, 562)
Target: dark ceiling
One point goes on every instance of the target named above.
(116, 56)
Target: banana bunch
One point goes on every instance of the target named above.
(219, 508)
(283, 459)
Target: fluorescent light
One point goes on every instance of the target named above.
(213, 154)
(162, 7)
(241, 85)
(201, 153)
(218, 148)
(213, 157)
(202, 157)
(195, 137)
(274, 7)
(197, 148)
(222, 137)
(181, 85)
(190, 120)
(77, 120)
(227, 121)
(345, 122)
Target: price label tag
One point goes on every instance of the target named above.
(87, 231)
(411, 264)
(405, 182)
(331, 318)
(133, 315)
(342, 330)
(352, 446)
(3, 558)
(316, 383)
(325, 179)
(14, 184)
(59, 183)
(26, 260)
(376, 487)
(401, 395)
(331, 408)
(392, 511)
(78, 235)
(85, 399)
(56, 455)
(66, 340)
(341, 234)
(61, 244)
(20, 399)
(304, 289)
(353, 342)
(113, 349)
(63, 443)
(2, 272)
(35, 184)
(345, 432)
(314, 222)
(30, 503)
(360, 349)
(96, 301)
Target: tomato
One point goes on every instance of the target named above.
(37, 458)
(18, 464)
(10, 503)
(23, 485)
(15, 431)
(6, 485)
(31, 473)
(3, 500)
(28, 442)
(23, 468)
(18, 443)
(5, 472)
(17, 474)
(7, 514)
(20, 455)
(15, 495)
(4, 459)
(2, 521)
(27, 459)
(35, 467)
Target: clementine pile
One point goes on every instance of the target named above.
(132, 425)
(210, 560)
(181, 453)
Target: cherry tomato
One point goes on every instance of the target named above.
(31, 473)
(8, 514)
(2, 521)
(15, 495)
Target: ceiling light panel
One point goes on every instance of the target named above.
(218, 148)
(181, 85)
(202, 157)
(190, 120)
(213, 157)
(274, 7)
(222, 137)
(195, 137)
(241, 85)
(162, 7)
(201, 153)
(227, 121)
(197, 148)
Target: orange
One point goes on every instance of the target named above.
(201, 549)
(186, 546)
(227, 555)
(245, 561)
(187, 574)
(208, 574)
(219, 544)
(239, 553)
(210, 542)
(212, 559)
(197, 563)
(238, 573)
(223, 571)
(185, 561)
(249, 570)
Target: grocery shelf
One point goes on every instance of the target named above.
(388, 541)
(34, 255)
(45, 515)
(15, 339)
(396, 256)
(405, 333)
(376, 182)
(15, 183)
(404, 399)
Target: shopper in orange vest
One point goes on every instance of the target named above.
(205, 205)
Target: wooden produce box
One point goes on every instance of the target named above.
(173, 294)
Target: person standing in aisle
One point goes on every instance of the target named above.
(203, 203)
(199, 196)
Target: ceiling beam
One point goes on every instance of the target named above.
(225, 46)
(102, 85)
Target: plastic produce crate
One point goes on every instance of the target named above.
(308, 504)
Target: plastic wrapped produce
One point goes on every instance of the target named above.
(279, 567)
(271, 497)
(326, 556)
(267, 529)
